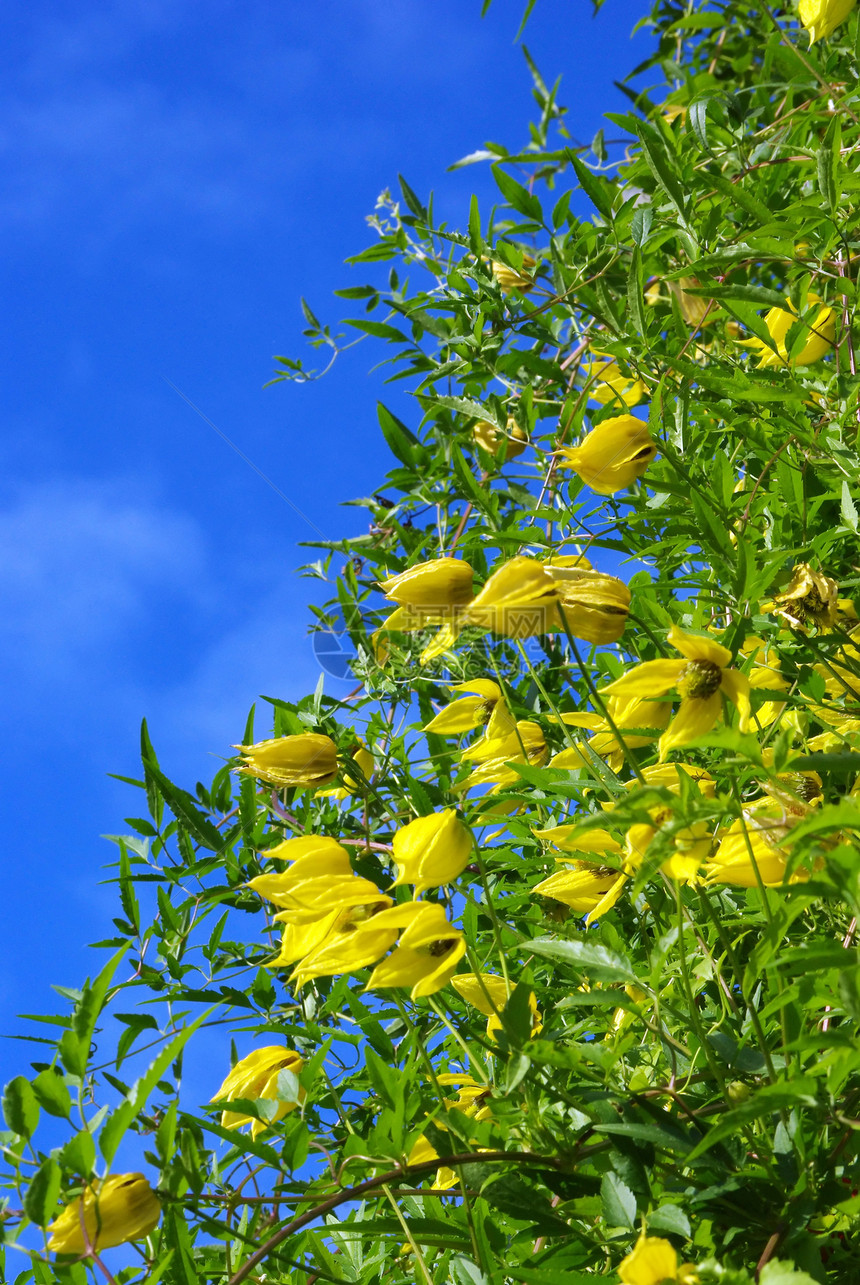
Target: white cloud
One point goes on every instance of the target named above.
(81, 561)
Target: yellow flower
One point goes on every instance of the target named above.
(654, 1261)
(700, 677)
(693, 307)
(595, 606)
(518, 600)
(821, 17)
(810, 597)
(427, 953)
(344, 940)
(469, 712)
(363, 760)
(423, 1151)
(490, 438)
(583, 885)
(524, 744)
(428, 593)
(690, 844)
(432, 850)
(308, 759)
(316, 859)
(511, 278)
(431, 588)
(489, 995)
(821, 331)
(626, 713)
(749, 850)
(256, 1076)
(612, 384)
(613, 455)
(117, 1209)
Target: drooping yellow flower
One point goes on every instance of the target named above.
(308, 759)
(512, 279)
(363, 760)
(821, 17)
(317, 860)
(810, 597)
(428, 593)
(344, 940)
(626, 713)
(489, 994)
(490, 438)
(586, 886)
(432, 850)
(431, 588)
(117, 1209)
(749, 849)
(518, 600)
(469, 712)
(424, 1150)
(494, 755)
(653, 1261)
(595, 605)
(690, 844)
(821, 331)
(613, 455)
(427, 953)
(614, 384)
(700, 677)
(256, 1076)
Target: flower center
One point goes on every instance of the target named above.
(701, 679)
(438, 948)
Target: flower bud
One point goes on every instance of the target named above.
(821, 331)
(432, 850)
(821, 17)
(595, 606)
(489, 438)
(117, 1209)
(518, 600)
(510, 278)
(431, 587)
(613, 455)
(308, 759)
(256, 1076)
(469, 712)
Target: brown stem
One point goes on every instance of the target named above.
(370, 1184)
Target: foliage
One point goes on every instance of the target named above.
(651, 1027)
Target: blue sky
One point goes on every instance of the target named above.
(176, 176)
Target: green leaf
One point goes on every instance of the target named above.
(660, 164)
(402, 441)
(619, 1203)
(596, 961)
(40, 1198)
(20, 1107)
(411, 199)
(517, 196)
(117, 1124)
(78, 1156)
(635, 292)
(827, 164)
(597, 189)
(672, 1219)
(476, 240)
(52, 1094)
(849, 508)
(778, 1272)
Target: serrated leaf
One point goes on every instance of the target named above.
(517, 196)
(20, 1107)
(40, 1198)
(52, 1094)
(595, 960)
(619, 1203)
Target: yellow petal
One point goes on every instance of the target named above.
(695, 718)
(737, 687)
(651, 678)
(694, 647)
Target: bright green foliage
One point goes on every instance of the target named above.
(663, 1041)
